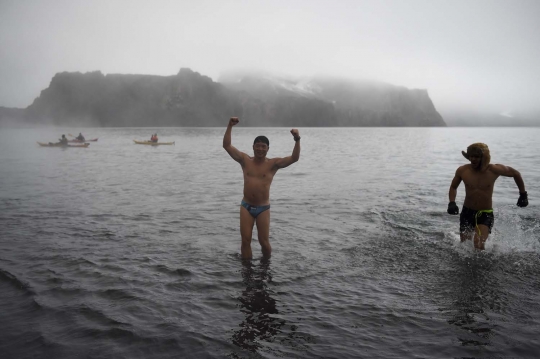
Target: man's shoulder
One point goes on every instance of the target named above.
(496, 168)
(463, 168)
(273, 161)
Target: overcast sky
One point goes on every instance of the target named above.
(468, 54)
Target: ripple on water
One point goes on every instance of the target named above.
(136, 254)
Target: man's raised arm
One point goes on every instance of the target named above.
(289, 160)
(231, 150)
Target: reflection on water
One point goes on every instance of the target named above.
(258, 306)
(475, 296)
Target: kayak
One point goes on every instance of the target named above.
(79, 141)
(152, 143)
(84, 145)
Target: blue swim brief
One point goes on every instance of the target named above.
(254, 210)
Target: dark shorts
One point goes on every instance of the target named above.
(469, 218)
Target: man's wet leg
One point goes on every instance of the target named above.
(466, 235)
(263, 233)
(246, 232)
(481, 235)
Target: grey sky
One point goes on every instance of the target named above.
(481, 54)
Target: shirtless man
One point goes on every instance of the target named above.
(479, 177)
(259, 172)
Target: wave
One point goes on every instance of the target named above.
(17, 283)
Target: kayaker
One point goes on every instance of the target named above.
(63, 141)
(80, 137)
(154, 138)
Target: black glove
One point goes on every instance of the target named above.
(453, 208)
(523, 201)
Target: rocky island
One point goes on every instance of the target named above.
(191, 99)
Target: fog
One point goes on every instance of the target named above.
(482, 55)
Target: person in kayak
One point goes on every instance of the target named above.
(80, 137)
(154, 138)
(479, 177)
(63, 141)
(258, 172)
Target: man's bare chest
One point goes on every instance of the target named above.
(259, 171)
(481, 181)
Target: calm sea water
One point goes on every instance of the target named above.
(128, 251)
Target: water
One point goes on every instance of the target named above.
(128, 251)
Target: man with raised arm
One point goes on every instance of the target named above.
(259, 172)
(479, 177)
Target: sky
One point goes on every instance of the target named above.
(481, 55)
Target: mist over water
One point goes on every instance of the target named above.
(472, 57)
(128, 251)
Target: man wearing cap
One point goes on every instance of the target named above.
(479, 177)
(259, 172)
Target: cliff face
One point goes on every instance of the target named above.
(186, 99)
(190, 99)
(331, 102)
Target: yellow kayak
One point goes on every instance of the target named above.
(152, 143)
